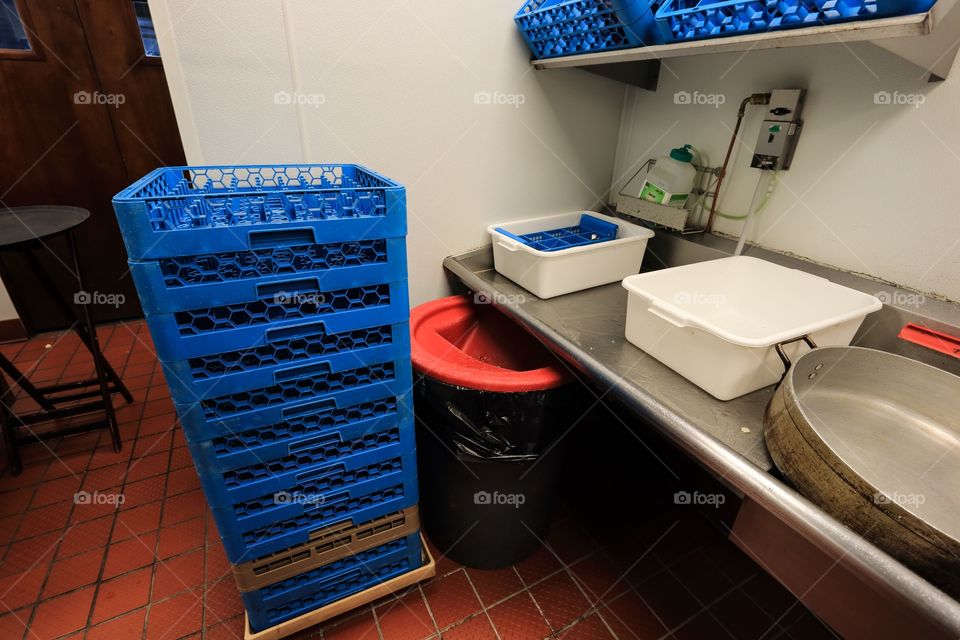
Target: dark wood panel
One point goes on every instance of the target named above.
(60, 150)
(83, 117)
(145, 124)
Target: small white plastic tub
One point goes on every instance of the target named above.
(547, 274)
(717, 323)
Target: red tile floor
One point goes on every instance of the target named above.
(150, 565)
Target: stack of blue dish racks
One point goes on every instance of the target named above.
(276, 297)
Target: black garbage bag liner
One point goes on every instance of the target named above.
(497, 425)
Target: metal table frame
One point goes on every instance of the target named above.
(51, 398)
(586, 328)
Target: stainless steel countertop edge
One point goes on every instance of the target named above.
(813, 523)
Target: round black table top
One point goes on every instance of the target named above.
(22, 224)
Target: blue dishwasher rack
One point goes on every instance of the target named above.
(680, 20)
(305, 390)
(182, 211)
(218, 329)
(287, 599)
(259, 527)
(283, 359)
(235, 277)
(555, 28)
(297, 417)
(365, 410)
(318, 464)
(257, 366)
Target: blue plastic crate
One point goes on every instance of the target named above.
(590, 230)
(299, 417)
(235, 277)
(304, 390)
(257, 367)
(365, 410)
(680, 20)
(182, 211)
(258, 527)
(555, 28)
(222, 328)
(318, 464)
(287, 599)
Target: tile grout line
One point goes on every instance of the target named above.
(64, 531)
(116, 512)
(320, 632)
(433, 619)
(483, 608)
(163, 500)
(56, 547)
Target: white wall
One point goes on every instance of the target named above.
(393, 84)
(874, 188)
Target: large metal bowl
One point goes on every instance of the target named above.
(874, 439)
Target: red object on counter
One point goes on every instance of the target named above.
(476, 346)
(931, 339)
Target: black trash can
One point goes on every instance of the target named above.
(492, 404)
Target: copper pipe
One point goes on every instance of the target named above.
(756, 98)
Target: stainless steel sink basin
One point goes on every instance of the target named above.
(874, 439)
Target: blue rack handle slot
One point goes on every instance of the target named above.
(296, 330)
(301, 285)
(309, 443)
(313, 369)
(282, 237)
(320, 474)
(310, 408)
(341, 498)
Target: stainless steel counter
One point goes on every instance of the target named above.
(587, 329)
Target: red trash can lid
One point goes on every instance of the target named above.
(476, 346)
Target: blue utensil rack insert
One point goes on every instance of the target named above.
(591, 230)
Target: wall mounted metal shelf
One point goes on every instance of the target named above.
(929, 40)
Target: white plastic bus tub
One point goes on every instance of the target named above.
(717, 323)
(547, 274)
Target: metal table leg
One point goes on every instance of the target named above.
(9, 428)
(86, 333)
(98, 360)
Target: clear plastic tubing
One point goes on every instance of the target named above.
(763, 185)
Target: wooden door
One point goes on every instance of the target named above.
(86, 112)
